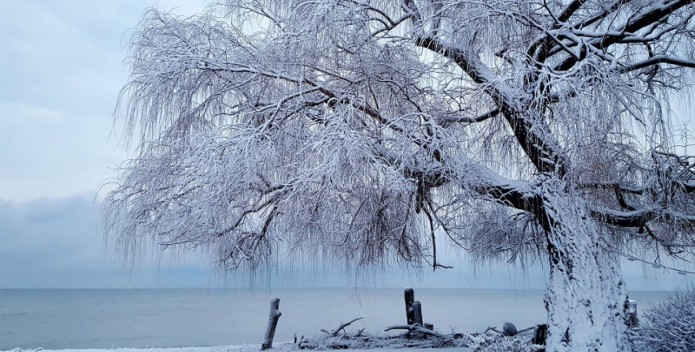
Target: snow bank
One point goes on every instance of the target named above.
(279, 347)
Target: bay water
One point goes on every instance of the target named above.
(106, 318)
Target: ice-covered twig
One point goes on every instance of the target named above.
(341, 327)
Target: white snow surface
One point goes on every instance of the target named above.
(277, 347)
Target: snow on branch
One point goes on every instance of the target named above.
(659, 60)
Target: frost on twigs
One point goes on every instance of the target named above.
(668, 325)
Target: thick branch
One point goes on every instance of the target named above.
(640, 217)
(533, 136)
(480, 118)
(661, 59)
(615, 186)
(635, 218)
(569, 10)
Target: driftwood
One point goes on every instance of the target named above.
(492, 328)
(418, 335)
(414, 327)
(415, 337)
(417, 314)
(342, 326)
(272, 324)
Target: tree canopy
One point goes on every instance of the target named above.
(360, 127)
(358, 131)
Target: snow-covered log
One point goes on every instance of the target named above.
(414, 328)
(272, 324)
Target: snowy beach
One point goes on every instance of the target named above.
(281, 347)
(107, 319)
(170, 318)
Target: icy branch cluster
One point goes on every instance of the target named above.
(669, 325)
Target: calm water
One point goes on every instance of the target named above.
(57, 319)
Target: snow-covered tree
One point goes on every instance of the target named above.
(357, 131)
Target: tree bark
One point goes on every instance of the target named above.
(586, 293)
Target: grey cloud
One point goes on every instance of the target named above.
(57, 243)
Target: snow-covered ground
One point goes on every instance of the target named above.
(280, 347)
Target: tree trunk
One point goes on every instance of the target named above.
(586, 293)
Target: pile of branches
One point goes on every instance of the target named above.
(415, 336)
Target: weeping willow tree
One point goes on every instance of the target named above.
(356, 131)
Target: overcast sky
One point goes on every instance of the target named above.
(61, 68)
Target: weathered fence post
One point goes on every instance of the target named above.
(413, 310)
(631, 319)
(417, 313)
(409, 295)
(272, 324)
(540, 333)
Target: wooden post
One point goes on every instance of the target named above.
(632, 320)
(417, 312)
(272, 324)
(540, 333)
(409, 299)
